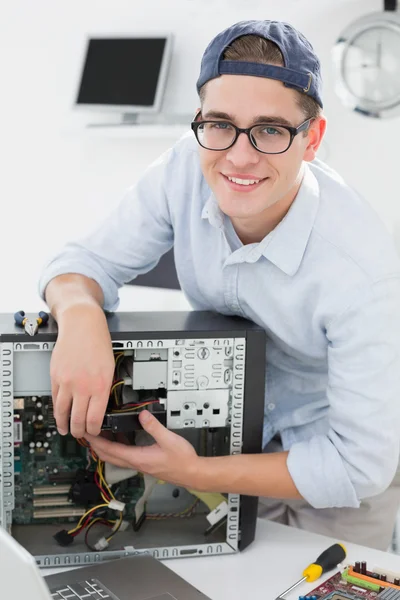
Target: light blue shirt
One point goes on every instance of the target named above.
(324, 284)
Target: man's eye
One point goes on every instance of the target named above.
(272, 131)
(219, 125)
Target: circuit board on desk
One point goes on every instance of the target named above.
(358, 583)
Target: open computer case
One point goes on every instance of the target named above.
(200, 373)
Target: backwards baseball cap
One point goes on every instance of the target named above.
(301, 69)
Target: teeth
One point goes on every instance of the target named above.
(243, 181)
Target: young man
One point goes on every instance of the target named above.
(262, 230)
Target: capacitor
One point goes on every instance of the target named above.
(46, 445)
(38, 405)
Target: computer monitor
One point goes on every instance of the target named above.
(126, 74)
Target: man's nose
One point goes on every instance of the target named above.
(243, 152)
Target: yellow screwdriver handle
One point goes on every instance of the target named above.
(328, 560)
(312, 572)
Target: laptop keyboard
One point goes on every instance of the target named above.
(90, 589)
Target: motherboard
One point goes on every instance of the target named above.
(357, 582)
(52, 471)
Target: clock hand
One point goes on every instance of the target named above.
(379, 53)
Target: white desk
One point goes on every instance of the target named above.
(270, 565)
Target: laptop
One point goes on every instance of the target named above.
(139, 577)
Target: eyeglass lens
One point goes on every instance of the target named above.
(267, 138)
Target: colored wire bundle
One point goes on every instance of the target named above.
(97, 514)
(187, 512)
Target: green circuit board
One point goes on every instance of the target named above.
(45, 467)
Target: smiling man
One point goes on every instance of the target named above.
(264, 230)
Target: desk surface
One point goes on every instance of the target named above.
(269, 566)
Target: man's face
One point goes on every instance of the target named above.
(246, 101)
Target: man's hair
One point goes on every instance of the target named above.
(253, 48)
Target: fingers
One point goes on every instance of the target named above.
(95, 413)
(62, 408)
(114, 461)
(78, 415)
(114, 452)
(153, 426)
(54, 393)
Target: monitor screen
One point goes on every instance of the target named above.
(124, 72)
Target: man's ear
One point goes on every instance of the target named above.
(315, 135)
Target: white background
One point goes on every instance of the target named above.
(57, 180)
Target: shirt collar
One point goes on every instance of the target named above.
(286, 244)
(212, 212)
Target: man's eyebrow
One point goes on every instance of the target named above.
(276, 119)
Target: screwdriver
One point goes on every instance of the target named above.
(328, 560)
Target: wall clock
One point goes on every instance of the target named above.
(366, 60)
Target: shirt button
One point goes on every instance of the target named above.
(271, 406)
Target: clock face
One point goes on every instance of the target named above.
(367, 61)
(371, 65)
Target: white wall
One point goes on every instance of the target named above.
(56, 180)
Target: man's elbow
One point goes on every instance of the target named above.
(375, 481)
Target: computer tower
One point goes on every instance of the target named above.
(202, 375)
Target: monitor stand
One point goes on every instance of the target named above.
(136, 119)
(126, 120)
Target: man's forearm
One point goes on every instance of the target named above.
(250, 474)
(72, 289)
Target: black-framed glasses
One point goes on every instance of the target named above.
(268, 138)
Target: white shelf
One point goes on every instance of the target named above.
(138, 131)
(160, 126)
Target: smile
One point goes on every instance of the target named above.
(244, 181)
(240, 184)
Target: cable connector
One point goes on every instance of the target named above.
(116, 505)
(123, 527)
(63, 537)
(218, 513)
(101, 544)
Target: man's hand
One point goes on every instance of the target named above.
(171, 458)
(81, 370)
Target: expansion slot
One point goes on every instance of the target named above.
(50, 490)
(57, 513)
(53, 501)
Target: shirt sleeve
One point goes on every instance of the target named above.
(128, 243)
(359, 455)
